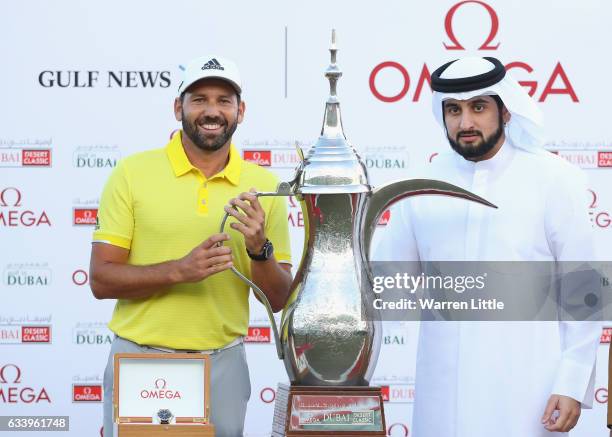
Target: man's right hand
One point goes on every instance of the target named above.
(112, 277)
(205, 260)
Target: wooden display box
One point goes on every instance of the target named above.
(146, 383)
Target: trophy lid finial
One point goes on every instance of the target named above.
(332, 164)
(333, 72)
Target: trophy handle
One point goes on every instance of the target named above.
(386, 195)
(283, 189)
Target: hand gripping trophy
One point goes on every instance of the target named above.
(329, 339)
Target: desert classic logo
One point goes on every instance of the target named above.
(20, 334)
(86, 392)
(25, 153)
(25, 157)
(14, 391)
(25, 329)
(13, 214)
(390, 80)
(258, 334)
(36, 334)
(604, 159)
(585, 158)
(27, 275)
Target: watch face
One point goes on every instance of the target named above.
(268, 249)
(164, 414)
(265, 254)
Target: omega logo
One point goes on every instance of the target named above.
(399, 426)
(558, 82)
(11, 394)
(448, 25)
(601, 395)
(594, 197)
(267, 395)
(80, 277)
(10, 197)
(599, 218)
(4, 197)
(17, 379)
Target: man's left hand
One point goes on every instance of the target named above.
(569, 412)
(251, 220)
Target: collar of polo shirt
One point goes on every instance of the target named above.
(181, 164)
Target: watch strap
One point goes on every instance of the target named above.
(264, 254)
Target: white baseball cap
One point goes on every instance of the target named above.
(211, 67)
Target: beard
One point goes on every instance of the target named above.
(472, 152)
(199, 138)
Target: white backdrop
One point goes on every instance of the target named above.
(86, 83)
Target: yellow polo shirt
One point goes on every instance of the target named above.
(159, 207)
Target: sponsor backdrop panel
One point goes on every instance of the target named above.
(87, 84)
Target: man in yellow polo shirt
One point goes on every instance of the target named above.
(157, 250)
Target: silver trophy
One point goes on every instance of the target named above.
(329, 347)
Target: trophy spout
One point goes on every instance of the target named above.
(386, 195)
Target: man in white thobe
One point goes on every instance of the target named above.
(484, 379)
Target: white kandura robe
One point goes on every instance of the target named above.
(483, 379)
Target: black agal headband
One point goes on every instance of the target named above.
(471, 83)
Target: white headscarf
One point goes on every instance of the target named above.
(525, 128)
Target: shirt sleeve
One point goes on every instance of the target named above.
(277, 229)
(115, 221)
(569, 233)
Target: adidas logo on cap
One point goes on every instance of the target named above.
(213, 64)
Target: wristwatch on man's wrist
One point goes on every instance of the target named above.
(265, 254)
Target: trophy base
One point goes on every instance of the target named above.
(301, 411)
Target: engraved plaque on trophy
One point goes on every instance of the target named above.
(312, 410)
